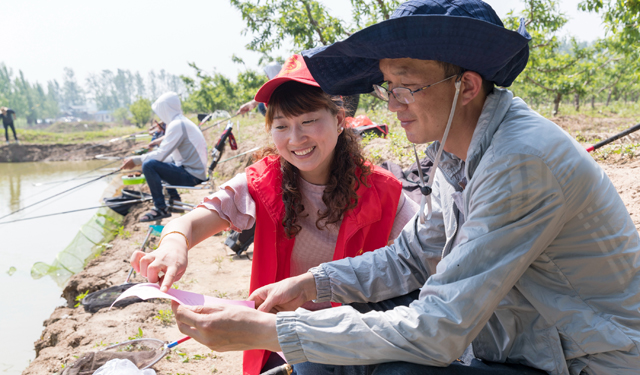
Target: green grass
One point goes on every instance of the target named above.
(47, 137)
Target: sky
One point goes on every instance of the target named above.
(41, 37)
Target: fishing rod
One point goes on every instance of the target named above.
(78, 177)
(218, 123)
(78, 210)
(68, 190)
(615, 137)
(237, 156)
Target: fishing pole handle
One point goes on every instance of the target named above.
(615, 137)
(285, 369)
(144, 244)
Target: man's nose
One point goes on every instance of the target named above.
(394, 105)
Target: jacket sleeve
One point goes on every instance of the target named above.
(169, 143)
(515, 209)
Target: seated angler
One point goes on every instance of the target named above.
(180, 159)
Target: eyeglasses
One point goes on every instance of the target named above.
(402, 94)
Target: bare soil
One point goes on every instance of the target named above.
(58, 152)
(215, 270)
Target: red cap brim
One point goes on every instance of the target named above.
(264, 93)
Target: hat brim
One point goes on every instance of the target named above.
(264, 93)
(351, 66)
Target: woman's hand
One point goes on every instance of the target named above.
(170, 258)
(228, 328)
(285, 295)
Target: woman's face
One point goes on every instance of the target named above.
(308, 142)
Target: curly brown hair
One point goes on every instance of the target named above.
(348, 167)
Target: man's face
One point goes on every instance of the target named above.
(425, 119)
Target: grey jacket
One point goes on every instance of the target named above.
(183, 142)
(543, 272)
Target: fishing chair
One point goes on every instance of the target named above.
(216, 153)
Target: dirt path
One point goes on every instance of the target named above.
(214, 271)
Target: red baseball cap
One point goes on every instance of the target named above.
(294, 69)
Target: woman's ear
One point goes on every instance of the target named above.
(341, 119)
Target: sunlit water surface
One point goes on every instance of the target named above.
(24, 302)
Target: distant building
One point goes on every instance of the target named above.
(103, 116)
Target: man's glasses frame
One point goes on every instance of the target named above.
(402, 94)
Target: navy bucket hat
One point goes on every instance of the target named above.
(466, 33)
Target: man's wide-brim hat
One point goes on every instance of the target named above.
(466, 33)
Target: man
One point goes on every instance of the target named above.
(526, 251)
(8, 115)
(183, 144)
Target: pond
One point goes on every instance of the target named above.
(24, 302)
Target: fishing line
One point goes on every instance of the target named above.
(74, 178)
(73, 188)
(78, 210)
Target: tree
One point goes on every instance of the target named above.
(72, 93)
(550, 73)
(622, 17)
(307, 22)
(121, 115)
(141, 111)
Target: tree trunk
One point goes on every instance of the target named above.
(576, 101)
(593, 102)
(556, 104)
(608, 98)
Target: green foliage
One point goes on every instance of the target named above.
(121, 115)
(80, 297)
(208, 93)
(165, 317)
(141, 111)
(29, 101)
(271, 22)
(559, 68)
(137, 335)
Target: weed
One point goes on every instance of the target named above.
(220, 294)
(123, 233)
(175, 286)
(80, 297)
(137, 335)
(165, 317)
(218, 260)
(101, 343)
(244, 294)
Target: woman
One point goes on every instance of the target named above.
(313, 198)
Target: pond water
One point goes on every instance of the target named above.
(24, 302)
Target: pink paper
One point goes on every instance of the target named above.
(146, 291)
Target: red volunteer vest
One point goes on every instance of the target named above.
(364, 228)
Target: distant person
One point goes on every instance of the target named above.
(271, 70)
(184, 144)
(8, 115)
(156, 132)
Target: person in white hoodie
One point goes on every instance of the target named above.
(180, 159)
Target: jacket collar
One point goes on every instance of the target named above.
(495, 108)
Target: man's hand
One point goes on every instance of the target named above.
(170, 258)
(128, 164)
(246, 107)
(285, 295)
(155, 142)
(228, 328)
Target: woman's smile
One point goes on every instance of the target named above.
(303, 152)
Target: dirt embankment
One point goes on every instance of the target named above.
(213, 271)
(58, 152)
